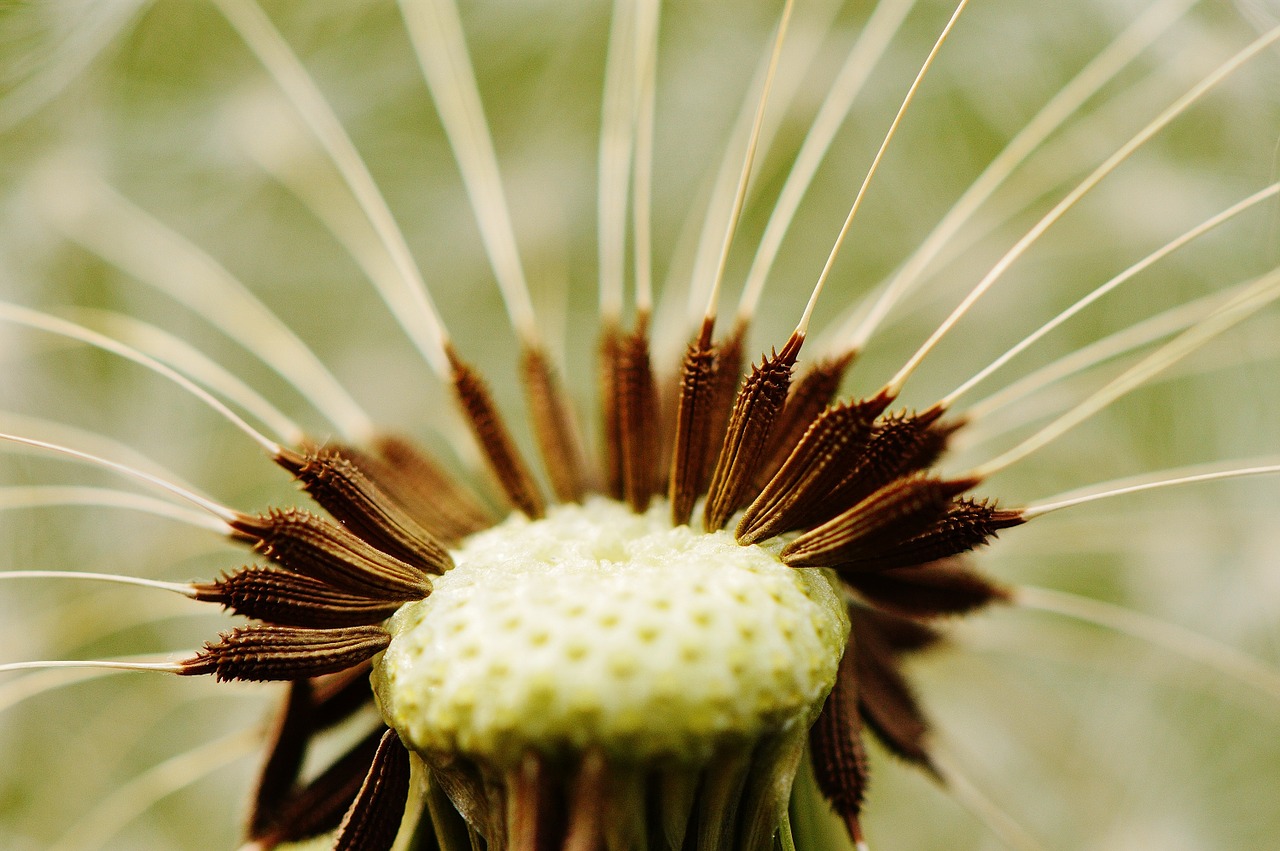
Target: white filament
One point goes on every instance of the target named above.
(698, 234)
(133, 798)
(1162, 120)
(196, 365)
(881, 27)
(435, 32)
(116, 665)
(1067, 102)
(1261, 293)
(1184, 642)
(96, 25)
(24, 688)
(748, 160)
(123, 234)
(957, 783)
(616, 147)
(1152, 481)
(1100, 351)
(875, 164)
(89, 441)
(411, 303)
(642, 197)
(221, 512)
(41, 496)
(1143, 264)
(177, 587)
(45, 322)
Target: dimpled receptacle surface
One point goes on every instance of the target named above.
(600, 628)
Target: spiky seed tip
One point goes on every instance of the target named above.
(835, 744)
(421, 484)
(599, 630)
(266, 653)
(319, 806)
(637, 404)
(505, 461)
(758, 405)
(552, 419)
(362, 506)
(691, 455)
(373, 820)
(312, 546)
(284, 598)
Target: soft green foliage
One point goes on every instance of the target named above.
(1087, 739)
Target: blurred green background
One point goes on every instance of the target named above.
(1086, 739)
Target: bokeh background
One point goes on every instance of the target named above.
(1085, 738)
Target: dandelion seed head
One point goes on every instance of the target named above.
(1084, 737)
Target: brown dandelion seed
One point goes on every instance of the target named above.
(285, 753)
(945, 587)
(730, 354)
(902, 635)
(554, 426)
(373, 819)
(265, 653)
(636, 405)
(505, 460)
(319, 806)
(690, 459)
(338, 696)
(818, 460)
(967, 525)
(358, 503)
(900, 444)
(809, 396)
(758, 405)
(285, 598)
(610, 428)
(312, 546)
(899, 510)
(835, 744)
(436, 499)
(887, 704)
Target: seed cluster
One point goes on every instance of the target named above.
(605, 638)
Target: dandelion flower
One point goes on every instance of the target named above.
(647, 372)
